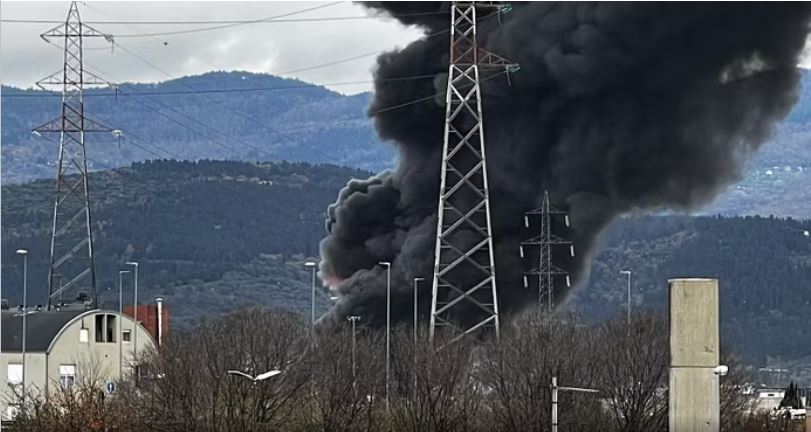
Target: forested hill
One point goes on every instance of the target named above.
(218, 115)
(259, 117)
(212, 235)
(187, 223)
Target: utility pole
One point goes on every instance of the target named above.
(628, 273)
(353, 319)
(388, 328)
(546, 241)
(464, 279)
(71, 253)
(417, 280)
(134, 310)
(120, 329)
(312, 265)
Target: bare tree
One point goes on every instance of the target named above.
(447, 396)
(337, 399)
(634, 376)
(517, 373)
(189, 389)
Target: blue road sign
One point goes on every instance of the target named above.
(111, 387)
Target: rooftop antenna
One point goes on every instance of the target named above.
(464, 297)
(71, 252)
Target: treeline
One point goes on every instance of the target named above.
(763, 265)
(183, 221)
(296, 122)
(335, 380)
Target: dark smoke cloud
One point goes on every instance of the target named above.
(617, 107)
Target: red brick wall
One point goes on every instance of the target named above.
(148, 317)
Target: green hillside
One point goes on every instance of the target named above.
(214, 235)
(189, 224)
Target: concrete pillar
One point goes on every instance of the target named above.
(693, 327)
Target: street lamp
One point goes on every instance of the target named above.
(555, 389)
(24, 253)
(416, 316)
(353, 319)
(134, 310)
(121, 274)
(713, 421)
(388, 326)
(312, 265)
(628, 273)
(257, 378)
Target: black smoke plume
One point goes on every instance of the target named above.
(616, 108)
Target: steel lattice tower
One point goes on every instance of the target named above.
(71, 253)
(546, 271)
(464, 296)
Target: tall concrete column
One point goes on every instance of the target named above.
(693, 327)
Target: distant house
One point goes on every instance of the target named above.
(64, 346)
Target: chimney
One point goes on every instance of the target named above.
(159, 304)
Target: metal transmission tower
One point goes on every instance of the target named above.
(71, 258)
(464, 284)
(546, 241)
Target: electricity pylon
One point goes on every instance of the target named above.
(546, 271)
(71, 254)
(464, 285)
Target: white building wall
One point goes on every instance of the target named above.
(92, 360)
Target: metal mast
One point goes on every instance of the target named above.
(71, 252)
(546, 241)
(464, 284)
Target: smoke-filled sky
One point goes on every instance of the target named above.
(617, 107)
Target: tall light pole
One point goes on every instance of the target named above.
(388, 326)
(135, 310)
(416, 317)
(353, 319)
(628, 273)
(312, 265)
(713, 418)
(24, 253)
(120, 332)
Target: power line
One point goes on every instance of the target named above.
(223, 26)
(234, 90)
(219, 22)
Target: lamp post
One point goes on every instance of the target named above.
(416, 317)
(255, 380)
(388, 326)
(713, 419)
(24, 253)
(353, 319)
(120, 332)
(312, 265)
(628, 273)
(555, 389)
(134, 310)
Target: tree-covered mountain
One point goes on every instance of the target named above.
(213, 235)
(219, 115)
(258, 117)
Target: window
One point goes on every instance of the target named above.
(127, 336)
(84, 335)
(15, 373)
(100, 328)
(111, 328)
(15, 377)
(67, 376)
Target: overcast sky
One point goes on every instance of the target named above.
(258, 47)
